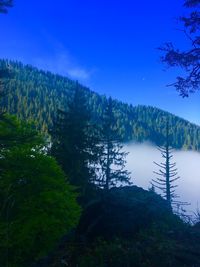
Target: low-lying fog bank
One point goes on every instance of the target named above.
(140, 163)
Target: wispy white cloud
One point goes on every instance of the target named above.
(79, 73)
(62, 62)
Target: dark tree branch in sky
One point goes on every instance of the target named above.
(188, 60)
(191, 3)
(4, 5)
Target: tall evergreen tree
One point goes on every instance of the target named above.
(73, 141)
(112, 159)
(167, 173)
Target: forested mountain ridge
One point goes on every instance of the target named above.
(36, 95)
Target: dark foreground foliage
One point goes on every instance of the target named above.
(130, 227)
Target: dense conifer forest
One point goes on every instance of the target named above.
(36, 95)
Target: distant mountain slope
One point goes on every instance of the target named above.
(35, 94)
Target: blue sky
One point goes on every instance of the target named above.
(109, 46)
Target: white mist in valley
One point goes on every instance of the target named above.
(140, 164)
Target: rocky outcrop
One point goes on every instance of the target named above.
(122, 212)
(128, 226)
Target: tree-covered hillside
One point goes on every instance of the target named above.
(36, 95)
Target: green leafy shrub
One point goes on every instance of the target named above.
(37, 205)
